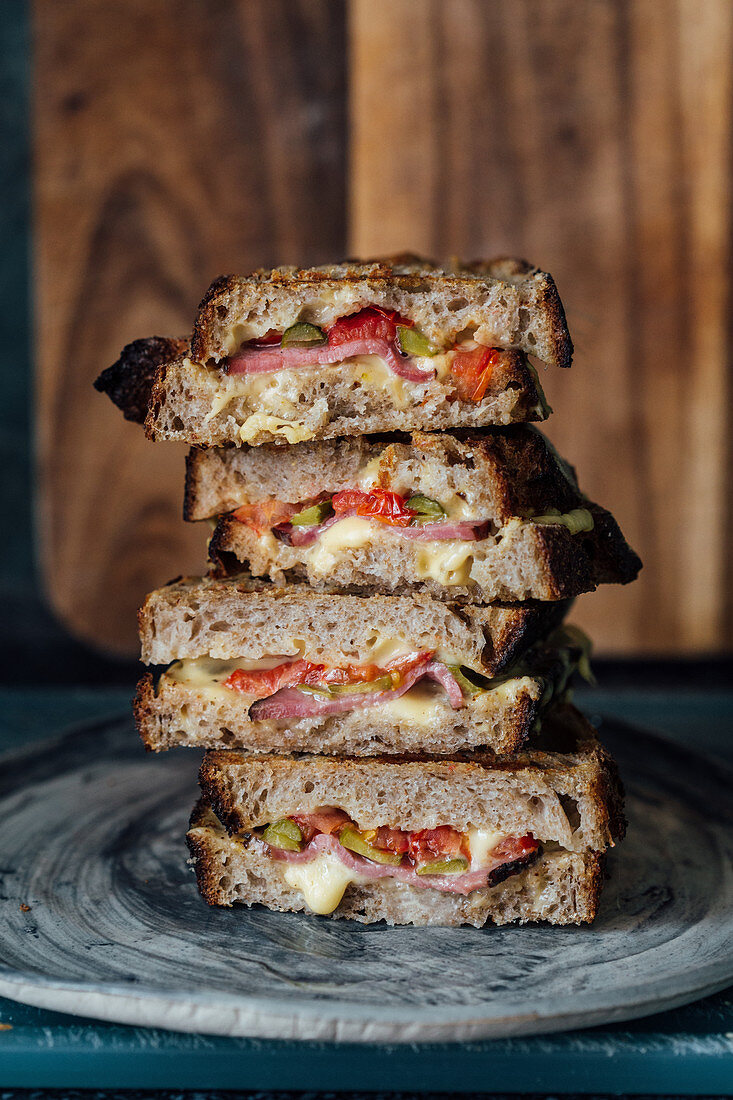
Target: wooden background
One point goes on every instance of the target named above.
(178, 139)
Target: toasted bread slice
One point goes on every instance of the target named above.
(560, 887)
(494, 475)
(506, 305)
(566, 790)
(237, 617)
(506, 302)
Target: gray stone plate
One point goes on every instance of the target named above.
(101, 917)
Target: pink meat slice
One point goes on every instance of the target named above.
(428, 532)
(449, 884)
(264, 360)
(291, 702)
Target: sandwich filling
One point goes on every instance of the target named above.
(282, 688)
(323, 852)
(348, 520)
(373, 331)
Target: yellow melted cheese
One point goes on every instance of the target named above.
(322, 881)
(481, 842)
(447, 563)
(291, 431)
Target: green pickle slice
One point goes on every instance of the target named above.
(309, 517)
(426, 507)
(443, 866)
(283, 834)
(382, 683)
(303, 335)
(468, 685)
(414, 342)
(351, 838)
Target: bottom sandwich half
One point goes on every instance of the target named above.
(471, 839)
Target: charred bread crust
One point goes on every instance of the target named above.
(408, 272)
(129, 381)
(143, 710)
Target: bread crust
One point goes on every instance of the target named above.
(511, 303)
(129, 381)
(560, 887)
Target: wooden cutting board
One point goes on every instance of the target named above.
(176, 141)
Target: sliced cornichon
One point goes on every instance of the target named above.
(382, 683)
(313, 515)
(283, 834)
(414, 342)
(426, 507)
(468, 685)
(303, 335)
(351, 838)
(443, 866)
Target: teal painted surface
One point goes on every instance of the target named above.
(685, 1052)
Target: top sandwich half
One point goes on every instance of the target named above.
(393, 345)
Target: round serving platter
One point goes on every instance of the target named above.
(101, 917)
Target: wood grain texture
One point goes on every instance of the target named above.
(594, 138)
(174, 141)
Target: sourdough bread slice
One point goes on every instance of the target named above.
(494, 475)
(505, 303)
(560, 888)
(566, 790)
(237, 617)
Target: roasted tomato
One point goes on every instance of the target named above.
(377, 504)
(262, 682)
(472, 372)
(443, 841)
(326, 820)
(265, 514)
(372, 323)
(392, 840)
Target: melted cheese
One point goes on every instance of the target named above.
(263, 422)
(422, 705)
(322, 881)
(351, 533)
(481, 842)
(447, 563)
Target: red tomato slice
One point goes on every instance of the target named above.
(326, 820)
(393, 840)
(262, 682)
(364, 674)
(376, 504)
(272, 336)
(265, 514)
(515, 847)
(429, 843)
(372, 323)
(472, 372)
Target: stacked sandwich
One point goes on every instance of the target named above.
(377, 662)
